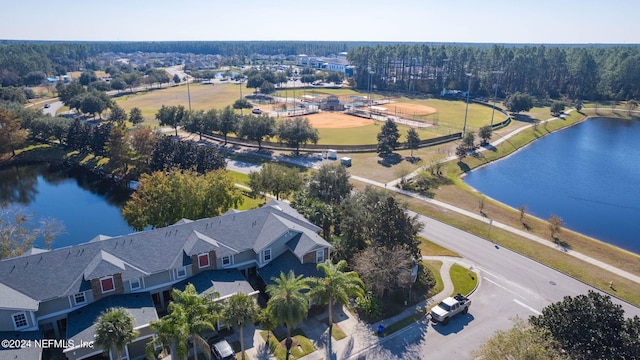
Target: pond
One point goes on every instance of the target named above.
(587, 174)
(86, 204)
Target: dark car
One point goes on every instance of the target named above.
(221, 349)
(46, 106)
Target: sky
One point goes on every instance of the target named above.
(460, 21)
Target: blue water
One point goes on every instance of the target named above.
(85, 206)
(587, 174)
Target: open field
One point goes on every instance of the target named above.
(202, 97)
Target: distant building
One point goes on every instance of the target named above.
(335, 63)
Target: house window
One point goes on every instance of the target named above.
(227, 260)
(181, 272)
(266, 255)
(79, 299)
(135, 284)
(107, 284)
(320, 256)
(19, 320)
(203, 260)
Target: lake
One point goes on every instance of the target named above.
(587, 174)
(88, 206)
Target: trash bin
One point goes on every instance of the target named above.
(380, 330)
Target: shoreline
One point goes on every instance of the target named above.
(528, 215)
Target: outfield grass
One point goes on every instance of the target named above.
(451, 113)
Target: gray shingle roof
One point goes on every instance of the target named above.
(284, 263)
(12, 299)
(63, 272)
(31, 352)
(80, 322)
(225, 282)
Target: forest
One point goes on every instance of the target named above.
(570, 72)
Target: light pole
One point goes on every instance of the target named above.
(370, 73)
(495, 95)
(188, 90)
(466, 110)
(444, 74)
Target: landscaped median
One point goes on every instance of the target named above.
(464, 282)
(301, 344)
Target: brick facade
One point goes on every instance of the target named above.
(195, 266)
(96, 289)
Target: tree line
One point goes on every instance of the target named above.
(576, 72)
(294, 132)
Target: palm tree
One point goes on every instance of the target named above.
(197, 313)
(239, 310)
(114, 330)
(266, 320)
(173, 334)
(336, 287)
(289, 304)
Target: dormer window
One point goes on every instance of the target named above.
(203, 260)
(79, 299)
(107, 284)
(320, 256)
(266, 255)
(181, 272)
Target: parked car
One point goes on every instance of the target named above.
(46, 106)
(256, 111)
(449, 307)
(221, 349)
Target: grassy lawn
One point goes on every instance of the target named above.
(463, 279)
(435, 266)
(428, 248)
(460, 195)
(553, 258)
(202, 97)
(301, 345)
(336, 332)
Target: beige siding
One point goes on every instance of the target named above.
(157, 279)
(6, 320)
(243, 257)
(55, 305)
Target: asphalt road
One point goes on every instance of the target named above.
(53, 107)
(511, 285)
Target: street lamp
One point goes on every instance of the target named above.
(466, 111)
(495, 95)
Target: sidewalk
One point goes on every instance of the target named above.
(392, 186)
(361, 336)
